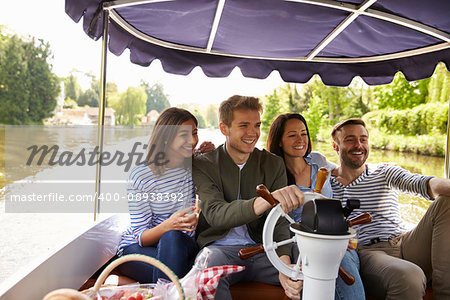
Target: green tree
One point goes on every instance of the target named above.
(88, 98)
(315, 116)
(72, 89)
(304, 97)
(28, 88)
(289, 97)
(116, 103)
(211, 116)
(439, 85)
(272, 108)
(357, 98)
(197, 111)
(336, 102)
(156, 98)
(70, 103)
(91, 96)
(401, 94)
(111, 90)
(200, 118)
(129, 106)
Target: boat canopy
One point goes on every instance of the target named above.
(337, 40)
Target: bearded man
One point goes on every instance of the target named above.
(396, 263)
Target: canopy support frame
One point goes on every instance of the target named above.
(447, 148)
(215, 25)
(370, 12)
(338, 29)
(101, 112)
(127, 3)
(379, 58)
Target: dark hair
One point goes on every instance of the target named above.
(276, 133)
(163, 135)
(338, 126)
(236, 102)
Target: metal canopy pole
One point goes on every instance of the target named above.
(447, 148)
(101, 111)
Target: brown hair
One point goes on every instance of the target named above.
(236, 102)
(163, 135)
(352, 121)
(276, 134)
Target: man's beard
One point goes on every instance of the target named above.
(352, 163)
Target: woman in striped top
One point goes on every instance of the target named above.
(160, 199)
(289, 138)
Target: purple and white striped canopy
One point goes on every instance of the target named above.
(298, 38)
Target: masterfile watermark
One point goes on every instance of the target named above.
(92, 158)
(55, 169)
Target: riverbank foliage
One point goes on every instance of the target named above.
(28, 88)
(401, 116)
(421, 129)
(430, 144)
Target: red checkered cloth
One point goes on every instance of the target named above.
(209, 280)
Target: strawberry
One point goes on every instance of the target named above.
(136, 296)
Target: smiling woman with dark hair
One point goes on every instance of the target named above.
(289, 138)
(160, 199)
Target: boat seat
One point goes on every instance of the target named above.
(428, 294)
(114, 279)
(257, 291)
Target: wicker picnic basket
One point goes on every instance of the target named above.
(96, 291)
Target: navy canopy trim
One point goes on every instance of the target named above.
(298, 38)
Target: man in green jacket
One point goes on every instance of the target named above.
(233, 215)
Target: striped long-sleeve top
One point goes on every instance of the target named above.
(153, 199)
(378, 188)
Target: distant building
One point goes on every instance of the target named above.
(110, 116)
(150, 118)
(82, 116)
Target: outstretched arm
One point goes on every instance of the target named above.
(438, 186)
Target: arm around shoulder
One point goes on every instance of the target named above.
(320, 160)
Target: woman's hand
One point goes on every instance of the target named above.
(292, 288)
(184, 219)
(206, 147)
(352, 244)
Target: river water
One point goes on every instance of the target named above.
(25, 237)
